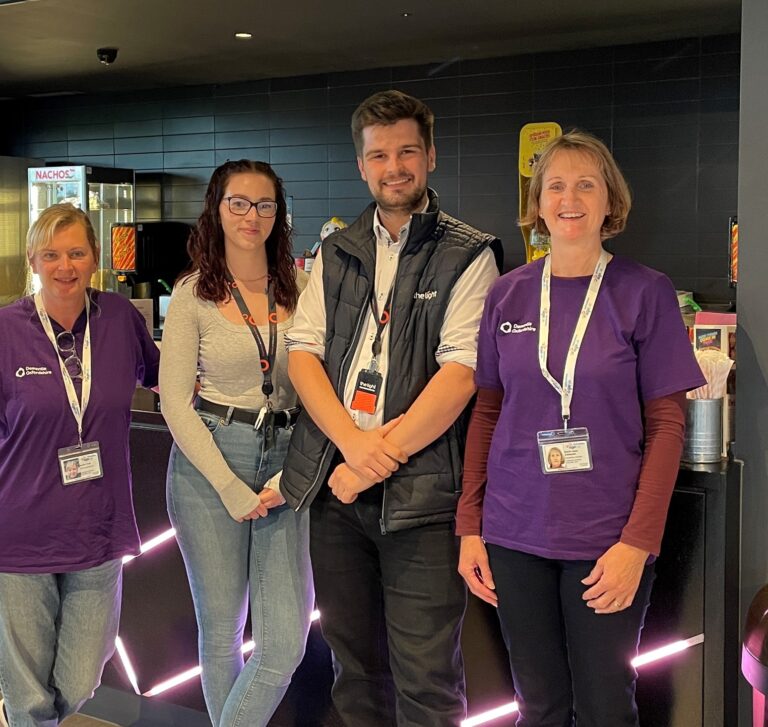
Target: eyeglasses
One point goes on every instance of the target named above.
(66, 345)
(241, 206)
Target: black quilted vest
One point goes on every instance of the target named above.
(438, 250)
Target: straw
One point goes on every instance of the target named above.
(715, 365)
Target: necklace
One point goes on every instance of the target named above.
(252, 280)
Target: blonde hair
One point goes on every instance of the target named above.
(55, 218)
(619, 197)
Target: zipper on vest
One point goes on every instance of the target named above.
(317, 475)
(382, 524)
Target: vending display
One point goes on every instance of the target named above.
(533, 140)
(104, 193)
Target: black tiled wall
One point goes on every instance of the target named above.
(668, 110)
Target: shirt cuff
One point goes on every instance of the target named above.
(273, 483)
(313, 348)
(449, 354)
(239, 499)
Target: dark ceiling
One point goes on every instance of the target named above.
(49, 46)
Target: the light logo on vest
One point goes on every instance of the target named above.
(426, 295)
(23, 371)
(508, 327)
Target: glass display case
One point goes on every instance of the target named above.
(106, 194)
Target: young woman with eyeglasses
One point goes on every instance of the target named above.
(225, 332)
(70, 360)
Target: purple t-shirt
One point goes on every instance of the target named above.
(46, 527)
(635, 349)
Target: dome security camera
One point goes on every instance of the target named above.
(107, 56)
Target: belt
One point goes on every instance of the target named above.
(284, 418)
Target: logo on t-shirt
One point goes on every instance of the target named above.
(508, 327)
(23, 371)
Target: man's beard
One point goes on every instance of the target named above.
(401, 203)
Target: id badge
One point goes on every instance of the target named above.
(367, 390)
(564, 450)
(80, 464)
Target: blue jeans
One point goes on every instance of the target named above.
(264, 561)
(57, 630)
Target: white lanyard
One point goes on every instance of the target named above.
(78, 407)
(566, 389)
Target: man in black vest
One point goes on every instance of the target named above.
(382, 354)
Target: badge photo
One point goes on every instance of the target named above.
(80, 464)
(564, 450)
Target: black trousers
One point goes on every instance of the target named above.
(391, 610)
(569, 664)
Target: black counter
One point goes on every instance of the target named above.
(695, 594)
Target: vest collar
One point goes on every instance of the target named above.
(359, 240)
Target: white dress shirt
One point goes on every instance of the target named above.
(458, 333)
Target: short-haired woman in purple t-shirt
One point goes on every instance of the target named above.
(70, 360)
(574, 445)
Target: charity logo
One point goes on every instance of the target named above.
(23, 371)
(507, 327)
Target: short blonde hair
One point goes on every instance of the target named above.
(55, 218)
(619, 197)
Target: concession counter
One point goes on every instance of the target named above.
(688, 669)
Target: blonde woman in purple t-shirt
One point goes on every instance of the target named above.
(573, 447)
(70, 360)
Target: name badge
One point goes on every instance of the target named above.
(564, 450)
(80, 464)
(367, 390)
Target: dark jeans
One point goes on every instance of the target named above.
(566, 660)
(391, 610)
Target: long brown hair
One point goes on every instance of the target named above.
(206, 241)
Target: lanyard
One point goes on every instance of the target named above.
(566, 389)
(78, 407)
(381, 322)
(266, 354)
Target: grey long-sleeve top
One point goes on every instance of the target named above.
(197, 337)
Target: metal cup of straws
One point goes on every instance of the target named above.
(704, 420)
(703, 431)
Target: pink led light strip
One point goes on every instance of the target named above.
(195, 672)
(129, 671)
(490, 715)
(663, 652)
(151, 544)
(119, 645)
